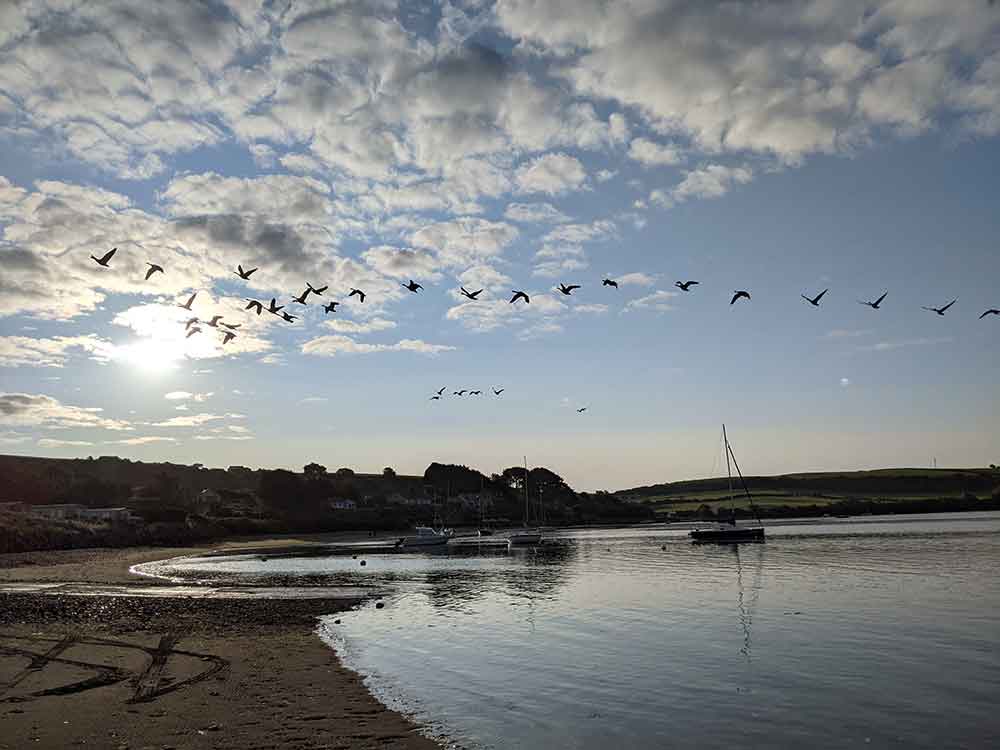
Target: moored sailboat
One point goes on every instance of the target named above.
(728, 530)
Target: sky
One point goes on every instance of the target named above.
(781, 148)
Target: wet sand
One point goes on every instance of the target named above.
(174, 672)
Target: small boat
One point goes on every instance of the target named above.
(728, 531)
(526, 536)
(425, 536)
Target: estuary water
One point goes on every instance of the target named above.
(869, 632)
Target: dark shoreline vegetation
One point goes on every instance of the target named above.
(163, 504)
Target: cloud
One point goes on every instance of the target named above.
(355, 327)
(314, 400)
(56, 443)
(330, 346)
(188, 396)
(887, 346)
(658, 301)
(842, 333)
(845, 382)
(709, 181)
(24, 351)
(553, 174)
(143, 440)
(401, 263)
(13, 438)
(652, 154)
(636, 278)
(535, 213)
(466, 241)
(24, 409)
(491, 314)
(189, 420)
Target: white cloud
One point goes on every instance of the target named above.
(652, 154)
(189, 420)
(658, 301)
(143, 440)
(24, 351)
(467, 241)
(401, 263)
(330, 346)
(709, 181)
(358, 328)
(56, 443)
(887, 346)
(24, 409)
(636, 278)
(535, 213)
(188, 396)
(552, 173)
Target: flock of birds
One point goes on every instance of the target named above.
(192, 325)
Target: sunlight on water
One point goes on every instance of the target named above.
(871, 631)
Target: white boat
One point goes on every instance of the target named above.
(525, 536)
(425, 536)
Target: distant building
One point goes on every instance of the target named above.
(60, 511)
(110, 515)
(397, 499)
(75, 511)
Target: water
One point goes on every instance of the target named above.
(865, 632)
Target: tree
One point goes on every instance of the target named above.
(388, 472)
(314, 471)
(345, 472)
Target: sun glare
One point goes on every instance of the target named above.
(152, 356)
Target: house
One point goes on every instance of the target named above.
(396, 499)
(61, 511)
(343, 504)
(109, 515)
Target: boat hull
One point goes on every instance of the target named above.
(753, 534)
(525, 539)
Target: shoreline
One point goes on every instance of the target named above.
(178, 671)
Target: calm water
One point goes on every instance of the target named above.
(874, 632)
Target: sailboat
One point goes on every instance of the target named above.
(525, 536)
(728, 531)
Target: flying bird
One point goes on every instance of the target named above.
(227, 336)
(254, 305)
(814, 301)
(685, 286)
(874, 305)
(187, 305)
(737, 294)
(245, 275)
(441, 391)
(498, 392)
(942, 310)
(568, 290)
(232, 326)
(357, 292)
(413, 286)
(519, 295)
(319, 291)
(274, 307)
(191, 322)
(458, 393)
(332, 307)
(435, 398)
(214, 322)
(288, 318)
(475, 393)
(103, 260)
(610, 282)
(470, 295)
(581, 410)
(153, 268)
(989, 312)
(192, 332)
(302, 298)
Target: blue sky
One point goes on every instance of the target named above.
(783, 149)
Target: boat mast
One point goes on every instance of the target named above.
(729, 471)
(526, 491)
(744, 482)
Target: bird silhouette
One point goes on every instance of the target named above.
(274, 307)
(942, 310)
(609, 282)
(459, 393)
(992, 311)
(232, 326)
(332, 307)
(737, 294)
(435, 398)
(470, 295)
(245, 275)
(568, 290)
(190, 322)
(317, 291)
(227, 336)
(685, 286)
(288, 318)
(581, 410)
(413, 286)
(814, 301)
(475, 393)
(187, 305)
(153, 268)
(498, 392)
(357, 292)
(192, 332)
(103, 260)
(214, 322)
(254, 305)
(302, 298)
(874, 305)
(519, 295)
(441, 391)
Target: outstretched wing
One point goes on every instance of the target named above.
(943, 309)
(109, 255)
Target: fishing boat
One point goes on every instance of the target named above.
(425, 536)
(728, 531)
(525, 536)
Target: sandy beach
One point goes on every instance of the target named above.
(175, 672)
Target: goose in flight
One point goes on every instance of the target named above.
(332, 307)
(475, 393)
(942, 310)
(187, 305)
(254, 305)
(609, 282)
(992, 311)
(153, 268)
(568, 290)
(737, 294)
(232, 326)
(274, 307)
(103, 260)
(470, 295)
(245, 275)
(498, 392)
(874, 305)
(413, 286)
(302, 298)
(581, 410)
(814, 301)
(190, 322)
(227, 336)
(192, 332)
(318, 292)
(519, 295)
(441, 391)
(357, 292)
(685, 286)
(435, 398)
(214, 322)
(459, 393)
(288, 318)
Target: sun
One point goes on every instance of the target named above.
(151, 355)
